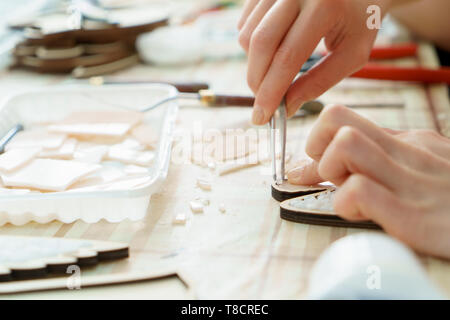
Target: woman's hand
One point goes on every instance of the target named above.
(280, 35)
(399, 179)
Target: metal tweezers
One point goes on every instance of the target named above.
(278, 130)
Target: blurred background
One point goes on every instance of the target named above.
(87, 38)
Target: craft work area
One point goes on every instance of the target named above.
(142, 157)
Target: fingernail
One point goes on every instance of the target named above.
(258, 116)
(295, 106)
(296, 173)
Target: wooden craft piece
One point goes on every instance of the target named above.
(87, 281)
(22, 50)
(64, 65)
(113, 66)
(128, 34)
(59, 53)
(104, 48)
(38, 257)
(93, 49)
(286, 190)
(321, 215)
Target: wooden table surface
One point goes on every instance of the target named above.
(247, 252)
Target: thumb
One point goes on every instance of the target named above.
(305, 174)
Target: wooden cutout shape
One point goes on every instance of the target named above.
(128, 34)
(65, 65)
(287, 191)
(13, 287)
(77, 252)
(319, 217)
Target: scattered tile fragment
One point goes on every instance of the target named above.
(92, 129)
(196, 206)
(212, 165)
(134, 170)
(130, 156)
(205, 201)
(180, 219)
(36, 138)
(48, 174)
(129, 117)
(204, 184)
(90, 152)
(16, 158)
(66, 151)
(233, 166)
(145, 134)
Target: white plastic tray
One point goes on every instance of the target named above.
(111, 205)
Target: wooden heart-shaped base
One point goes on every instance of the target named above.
(319, 217)
(284, 191)
(34, 260)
